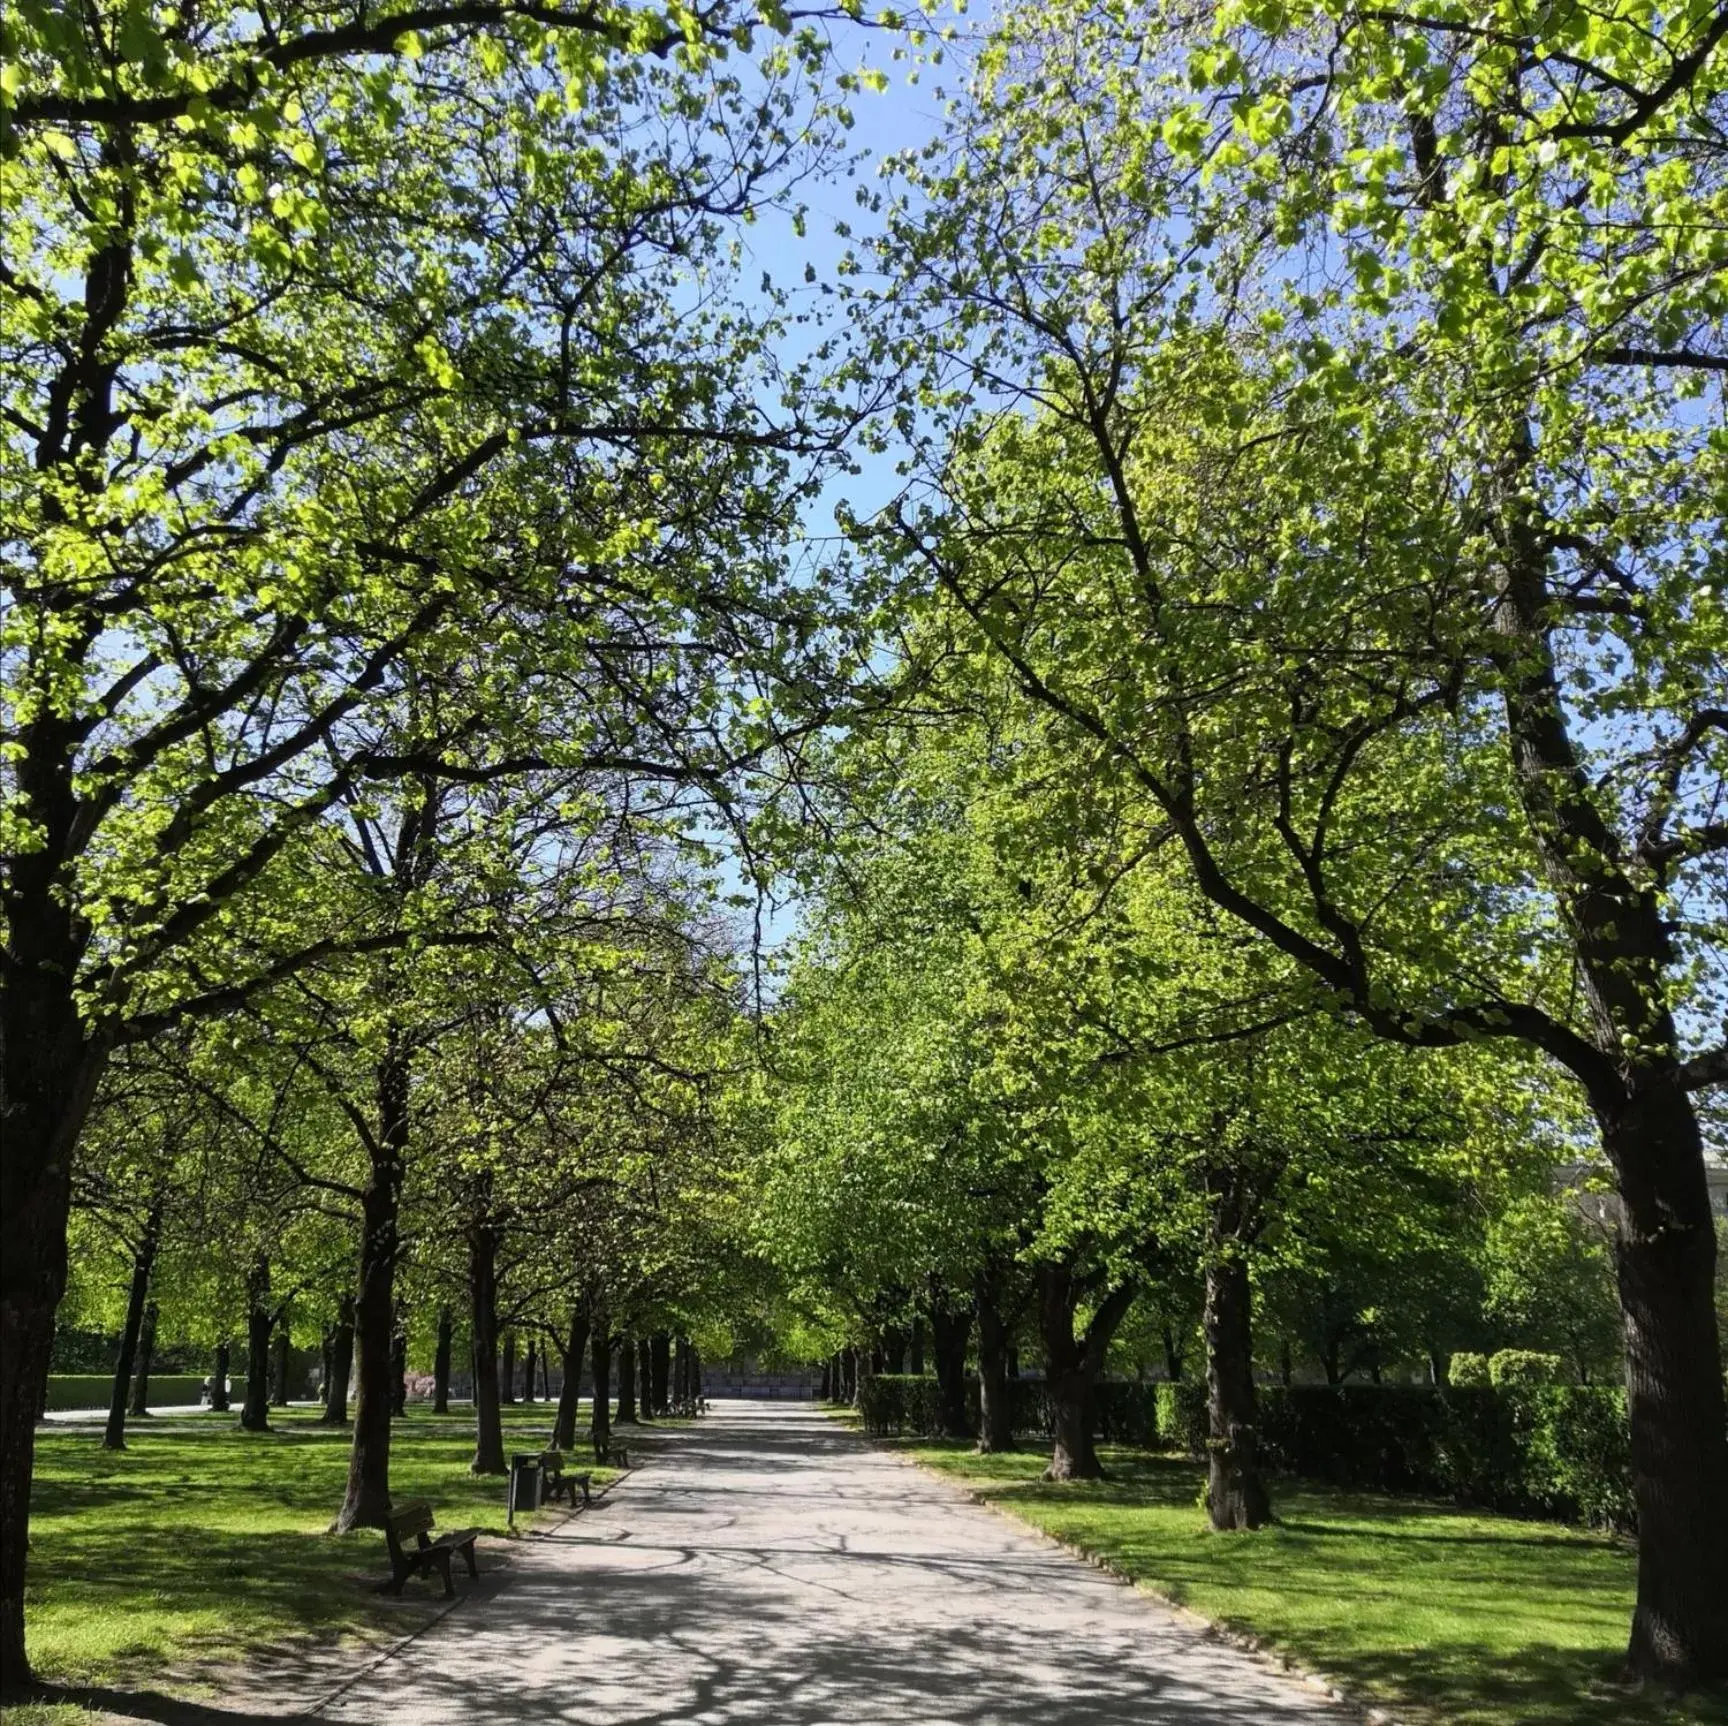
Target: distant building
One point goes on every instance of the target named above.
(1593, 1185)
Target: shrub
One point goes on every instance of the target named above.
(80, 1390)
(1468, 1370)
(1181, 1416)
(1524, 1366)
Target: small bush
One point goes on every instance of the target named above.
(1524, 1366)
(1468, 1370)
(1181, 1416)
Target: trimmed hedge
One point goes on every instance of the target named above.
(1533, 1449)
(84, 1390)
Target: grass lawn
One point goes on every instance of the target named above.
(200, 1542)
(1442, 1615)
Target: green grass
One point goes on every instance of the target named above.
(1439, 1614)
(202, 1543)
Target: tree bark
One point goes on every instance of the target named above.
(137, 1301)
(1173, 1356)
(146, 1353)
(483, 1327)
(219, 1401)
(507, 1373)
(528, 1365)
(441, 1362)
(660, 1371)
(1236, 1496)
(600, 1426)
(950, 1330)
(626, 1382)
(1071, 1366)
(341, 1366)
(398, 1371)
(367, 1499)
(1665, 1260)
(645, 1379)
(564, 1425)
(279, 1349)
(255, 1410)
(916, 1363)
(995, 1417)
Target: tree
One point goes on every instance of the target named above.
(1350, 525)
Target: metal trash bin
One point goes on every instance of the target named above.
(524, 1482)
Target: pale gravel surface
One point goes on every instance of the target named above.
(766, 1566)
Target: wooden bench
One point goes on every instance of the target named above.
(555, 1481)
(413, 1521)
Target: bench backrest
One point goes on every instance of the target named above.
(412, 1518)
(553, 1460)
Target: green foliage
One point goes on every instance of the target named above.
(1469, 1370)
(1522, 1366)
(92, 1390)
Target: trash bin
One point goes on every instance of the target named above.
(524, 1482)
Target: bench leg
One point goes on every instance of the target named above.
(442, 1560)
(468, 1559)
(399, 1574)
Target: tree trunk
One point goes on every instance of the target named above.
(483, 1327)
(995, 1417)
(564, 1425)
(146, 1353)
(600, 1426)
(1072, 1365)
(367, 1499)
(279, 1350)
(916, 1364)
(950, 1330)
(626, 1381)
(398, 1371)
(1286, 1366)
(441, 1362)
(341, 1366)
(219, 1380)
(827, 1377)
(137, 1300)
(507, 1374)
(894, 1350)
(1665, 1259)
(1173, 1353)
(1235, 1493)
(255, 1410)
(528, 1371)
(660, 1371)
(49, 1070)
(645, 1379)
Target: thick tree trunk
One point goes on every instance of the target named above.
(146, 1353)
(660, 1371)
(219, 1380)
(600, 1425)
(279, 1349)
(137, 1301)
(626, 1382)
(255, 1410)
(367, 1499)
(507, 1373)
(1236, 1495)
(1665, 1258)
(995, 1417)
(950, 1330)
(894, 1350)
(441, 1362)
(564, 1425)
(528, 1370)
(645, 1379)
(483, 1327)
(341, 1366)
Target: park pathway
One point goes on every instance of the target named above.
(766, 1566)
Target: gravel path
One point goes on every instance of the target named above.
(766, 1566)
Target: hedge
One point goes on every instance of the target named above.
(1533, 1449)
(83, 1390)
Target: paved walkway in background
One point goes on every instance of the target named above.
(765, 1566)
